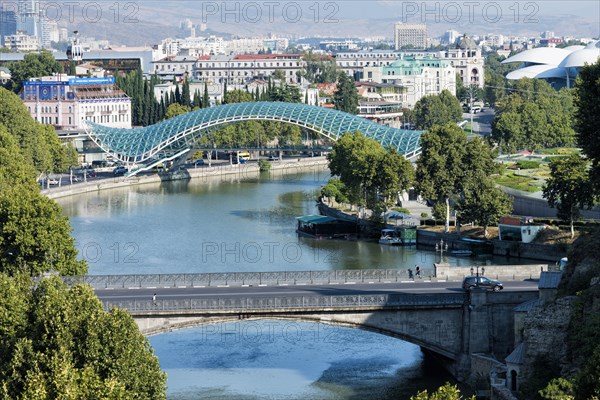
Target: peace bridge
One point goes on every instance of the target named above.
(174, 137)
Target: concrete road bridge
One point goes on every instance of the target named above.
(446, 322)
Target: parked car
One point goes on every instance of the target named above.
(199, 162)
(273, 158)
(52, 181)
(472, 282)
(90, 173)
(119, 171)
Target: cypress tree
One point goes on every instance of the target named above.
(177, 95)
(171, 98)
(197, 102)
(186, 95)
(306, 97)
(205, 98)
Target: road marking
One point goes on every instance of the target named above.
(151, 287)
(133, 287)
(349, 283)
(222, 285)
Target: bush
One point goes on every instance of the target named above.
(402, 210)
(424, 215)
(264, 165)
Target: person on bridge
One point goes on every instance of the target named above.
(154, 299)
(410, 273)
(418, 271)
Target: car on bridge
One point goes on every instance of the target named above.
(472, 282)
(120, 171)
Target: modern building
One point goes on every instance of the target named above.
(559, 66)
(8, 24)
(520, 229)
(418, 75)
(466, 58)
(381, 102)
(413, 36)
(67, 102)
(354, 62)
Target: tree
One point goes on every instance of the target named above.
(533, 116)
(345, 97)
(33, 65)
(371, 176)
(237, 96)
(587, 117)
(568, 189)
(440, 166)
(446, 392)
(205, 98)
(58, 342)
(176, 109)
(437, 110)
(185, 94)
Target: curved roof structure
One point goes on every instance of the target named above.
(548, 62)
(176, 134)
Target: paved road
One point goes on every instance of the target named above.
(300, 290)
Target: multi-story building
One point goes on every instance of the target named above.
(353, 62)
(243, 68)
(21, 42)
(175, 67)
(8, 24)
(67, 102)
(466, 58)
(410, 35)
(418, 76)
(381, 102)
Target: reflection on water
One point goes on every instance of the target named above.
(270, 359)
(220, 224)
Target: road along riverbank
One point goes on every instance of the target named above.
(250, 170)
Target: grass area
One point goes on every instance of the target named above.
(560, 151)
(555, 236)
(468, 129)
(518, 182)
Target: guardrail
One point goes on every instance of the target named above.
(255, 304)
(245, 278)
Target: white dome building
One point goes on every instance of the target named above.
(554, 64)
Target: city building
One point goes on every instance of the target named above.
(418, 75)
(353, 62)
(413, 36)
(450, 37)
(175, 67)
(466, 58)
(90, 70)
(21, 42)
(4, 75)
(67, 102)
(559, 66)
(381, 102)
(8, 24)
(240, 69)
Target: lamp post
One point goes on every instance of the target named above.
(441, 247)
(476, 270)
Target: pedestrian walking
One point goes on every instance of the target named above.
(418, 271)
(154, 299)
(410, 273)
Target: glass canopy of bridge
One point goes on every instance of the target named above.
(174, 135)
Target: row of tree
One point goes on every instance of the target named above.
(452, 172)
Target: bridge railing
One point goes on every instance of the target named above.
(242, 304)
(243, 278)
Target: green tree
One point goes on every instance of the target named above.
(345, 97)
(440, 167)
(568, 189)
(33, 65)
(446, 392)
(237, 96)
(205, 97)
(558, 389)
(587, 117)
(58, 342)
(186, 96)
(437, 110)
(176, 109)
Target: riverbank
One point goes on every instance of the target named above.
(250, 170)
(430, 239)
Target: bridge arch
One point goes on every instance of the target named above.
(150, 326)
(174, 135)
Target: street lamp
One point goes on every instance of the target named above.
(441, 247)
(477, 270)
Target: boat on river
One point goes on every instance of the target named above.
(324, 227)
(401, 236)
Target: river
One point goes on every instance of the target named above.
(231, 224)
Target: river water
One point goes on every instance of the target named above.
(233, 223)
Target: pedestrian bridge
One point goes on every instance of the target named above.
(176, 135)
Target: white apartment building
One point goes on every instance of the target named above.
(419, 76)
(20, 42)
(353, 62)
(414, 35)
(67, 102)
(177, 67)
(240, 69)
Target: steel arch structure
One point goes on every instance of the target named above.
(176, 134)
